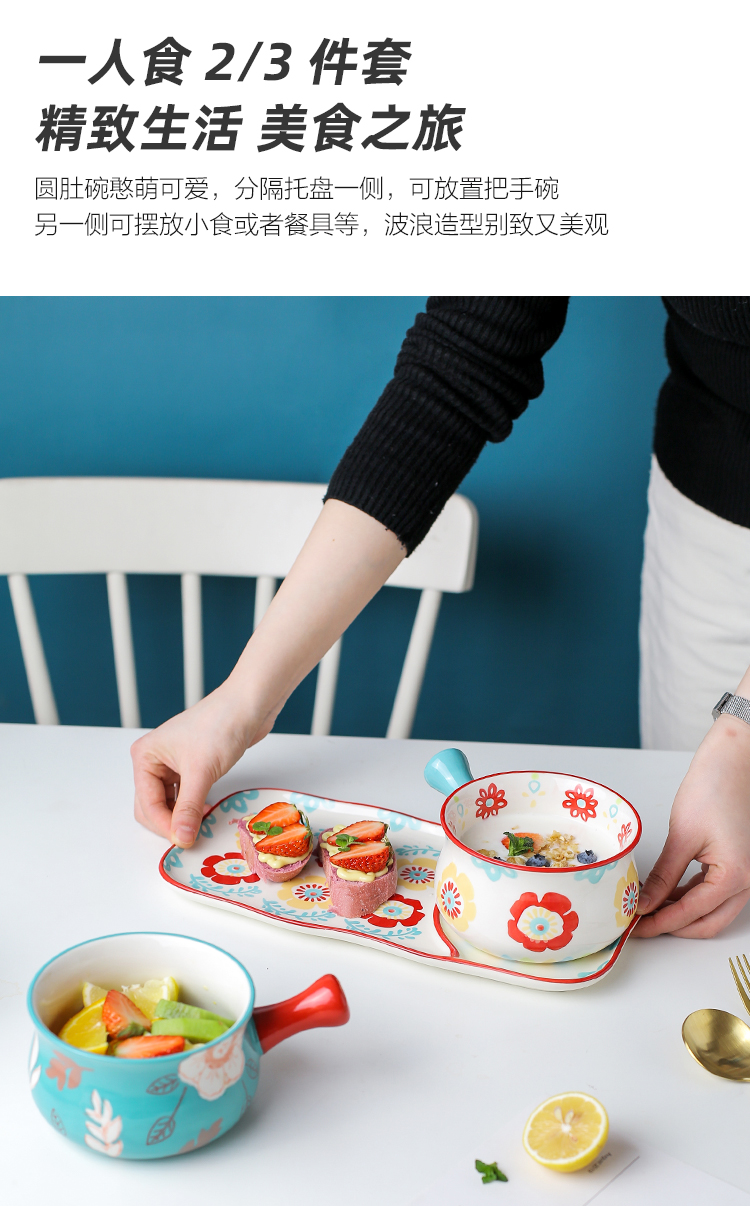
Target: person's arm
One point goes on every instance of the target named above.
(710, 822)
(344, 562)
(465, 372)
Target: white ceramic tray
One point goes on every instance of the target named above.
(409, 924)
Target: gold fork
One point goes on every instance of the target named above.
(745, 977)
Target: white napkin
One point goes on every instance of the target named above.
(620, 1175)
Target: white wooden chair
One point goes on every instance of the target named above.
(191, 527)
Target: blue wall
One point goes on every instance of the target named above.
(544, 649)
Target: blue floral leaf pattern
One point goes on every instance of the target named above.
(202, 884)
(238, 802)
(307, 803)
(208, 821)
(398, 934)
(593, 875)
(278, 910)
(394, 823)
(397, 821)
(414, 851)
(494, 871)
(173, 859)
(244, 890)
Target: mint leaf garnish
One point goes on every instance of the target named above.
(267, 828)
(518, 845)
(490, 1172)
(344, 840)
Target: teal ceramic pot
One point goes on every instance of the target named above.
(142, 1109)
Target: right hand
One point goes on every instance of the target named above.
(346, 558)
(193, 750)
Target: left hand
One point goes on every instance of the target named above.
(710, 822)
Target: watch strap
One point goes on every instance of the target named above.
(733, 705)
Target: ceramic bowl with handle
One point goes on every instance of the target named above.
(146, 1108)
(533, 914)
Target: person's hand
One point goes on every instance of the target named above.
(346, 558)
(710, 822)
(191, 750)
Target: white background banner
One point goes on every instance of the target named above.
(549, 147)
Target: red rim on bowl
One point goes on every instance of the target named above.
(602, 862)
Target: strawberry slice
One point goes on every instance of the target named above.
(360, 831)
(536, 838)
(148, 1045)
(280, 813)
(363, 856)
(118, 1011)
(291, 843)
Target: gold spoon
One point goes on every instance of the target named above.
(719, 1041)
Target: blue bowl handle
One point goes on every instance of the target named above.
(448, 770)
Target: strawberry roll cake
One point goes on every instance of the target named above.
(341, 837)
(277, 842)
(361, 875)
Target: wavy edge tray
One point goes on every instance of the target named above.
(461, 957)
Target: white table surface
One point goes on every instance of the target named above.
(439, 1057)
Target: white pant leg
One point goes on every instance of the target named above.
(695, 616)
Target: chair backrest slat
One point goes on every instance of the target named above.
(122, 643)
(35, 663)
(415, 664)
(90, 525)
(120, 526)
(192, 638)
(265, 589)
(325, 691)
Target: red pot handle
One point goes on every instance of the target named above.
(322, 1004)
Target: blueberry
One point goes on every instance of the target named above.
(537, 860)
(586, 856)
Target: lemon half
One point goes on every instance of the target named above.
(86, 1030)
(567, 1132)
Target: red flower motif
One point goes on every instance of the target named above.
(227, 869)
(542, 925)
(450, 898)
(397, 910)
(581, 803)
(490, 802)
(624, 834)
(629, 900)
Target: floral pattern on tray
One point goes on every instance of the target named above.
(408, 924)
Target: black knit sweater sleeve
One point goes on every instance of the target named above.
(466, 370)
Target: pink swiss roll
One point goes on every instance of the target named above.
(323, 854)
(273, 875)
(353, 898)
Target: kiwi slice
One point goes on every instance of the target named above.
(176, 1009)
(201, 1030)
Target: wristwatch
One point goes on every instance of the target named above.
(735, 705)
